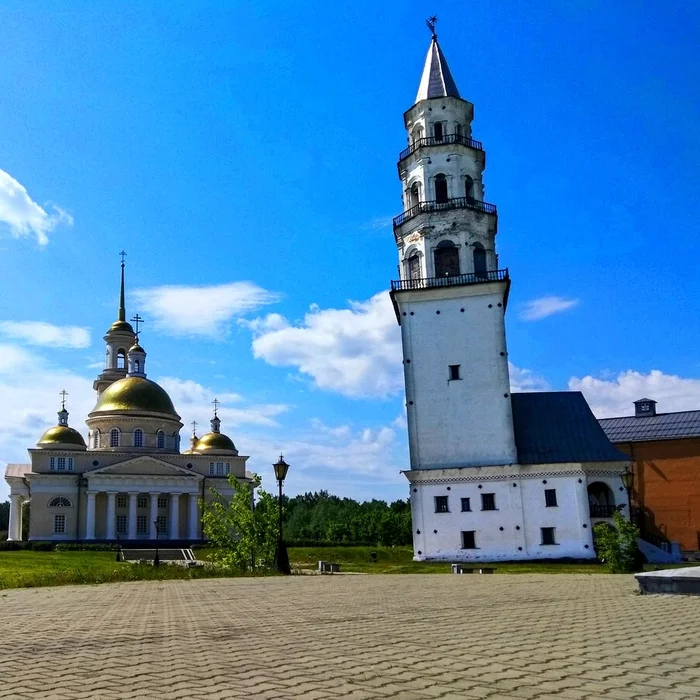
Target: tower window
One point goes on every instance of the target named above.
(479, 260)
(550, 497)
(458, 129)
(468, 187)
(446, 259)
(548, 535)
(437, 131)
(137, 366)
(466, 506)
(96, 439)
(161, 439)
(414, 195)
(441, 504)
(488, 501)
(121, 358)
(138, 437)
(468, 539)
(61, 467)
(114, 437)
(414, 272)
(454, 372)
(441, 189)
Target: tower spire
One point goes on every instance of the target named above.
(436, 81)
(122, 308)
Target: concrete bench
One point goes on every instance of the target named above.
(327, 567)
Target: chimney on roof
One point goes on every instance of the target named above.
(644, 407)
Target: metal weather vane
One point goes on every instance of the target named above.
(431, 22)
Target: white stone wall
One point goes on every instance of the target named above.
(511, 532)
(462, 422)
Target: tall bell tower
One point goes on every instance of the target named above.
(450, 300)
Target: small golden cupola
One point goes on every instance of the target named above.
(215, 442)
(62, 436)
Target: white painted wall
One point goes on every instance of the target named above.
(466, 422)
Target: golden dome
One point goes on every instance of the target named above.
(211, 443)
(134, 395)
(122, 326)
(137, 348)
(62, 435)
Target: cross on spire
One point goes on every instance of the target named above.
(137, 320)
(194, 427)
(63, 395)
(216, 403)
(123, 255)
(431, 22)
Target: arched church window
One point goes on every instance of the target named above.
(96, 439)
(137, 366)
(446, 259)
(138, 437)
(479, 260)
(114, 437)
(416, 135)
(440, 189)
(414, 271)
(468, 187)
(121, 358)
(60, 502)
(437, 131)
(161, 439)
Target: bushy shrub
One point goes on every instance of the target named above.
(617, 546)
(85, 547)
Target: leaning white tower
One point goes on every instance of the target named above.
(451, 297)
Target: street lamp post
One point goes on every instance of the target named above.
(627, 478)
(281, 556)
(156, 559)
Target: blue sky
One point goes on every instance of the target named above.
(244, 155)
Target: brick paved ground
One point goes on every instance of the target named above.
(427, 636)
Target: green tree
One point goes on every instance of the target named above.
(617, 546)
(243, 529)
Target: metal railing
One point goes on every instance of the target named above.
(449, 281)
(602, 511)
(433, 205)
(447, 139)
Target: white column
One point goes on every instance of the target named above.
(15, 530)
(90, 519)
(174, 516)
(154, 514)
(194, 517)
(111, 515)
(133, 503)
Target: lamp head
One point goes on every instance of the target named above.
(627, 478)
(281, 468)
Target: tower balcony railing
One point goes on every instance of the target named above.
(445, 140)
(434, 205)
(602, 511)
(449, 280)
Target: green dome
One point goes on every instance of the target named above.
(214, 442)
(134, 395)
(61, 435)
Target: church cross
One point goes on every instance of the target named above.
(137, 319)
(216, 403)
(431, 22)
(63, 394)
(194, 427)
(123, 255)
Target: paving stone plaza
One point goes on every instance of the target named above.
(404, 636)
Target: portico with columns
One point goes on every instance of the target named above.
(128, 481)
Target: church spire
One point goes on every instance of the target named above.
(436, 81)
(122, 307)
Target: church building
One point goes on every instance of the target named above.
(493, 475)
(128, 480)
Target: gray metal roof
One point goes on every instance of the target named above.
(558, 426)
(662, 426)
(436, 81)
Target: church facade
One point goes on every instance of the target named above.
(493, 475)
(128, 480)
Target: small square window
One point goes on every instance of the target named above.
(548, 535)
(121, 501)
(550, 497)
(59, 524)
(488, 501)
(121, 524)
(468, 539)
(142, 502)
(466, 506)
(454, 372)
(441, 505)
(162, 501)
(141, 525)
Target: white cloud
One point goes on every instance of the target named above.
(526, 380)
(41, 333)
(207, 311)
(23, 215)
(545, 306)
(614, 397)
(355, 351)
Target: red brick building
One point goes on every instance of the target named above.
(665, 453)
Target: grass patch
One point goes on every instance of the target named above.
(28, 569)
